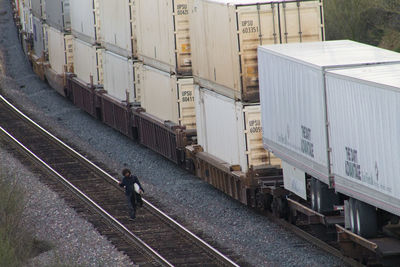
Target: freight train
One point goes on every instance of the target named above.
(275, 131)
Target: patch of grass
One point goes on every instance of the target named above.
(17, 244)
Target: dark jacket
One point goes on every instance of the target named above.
(128, 182)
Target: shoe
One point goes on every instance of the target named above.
(132, 218)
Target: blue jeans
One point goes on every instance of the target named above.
(131, 206)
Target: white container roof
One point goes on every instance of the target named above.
(332, 54)
(247, 2)
(387, 75)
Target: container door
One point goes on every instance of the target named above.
(256, 154)
(97, 26)
(132, 14)
(256, 25)
(66, 16)
(69, 52)
(182, 37)
(138, 72)
(99, 61)
(186, 105)
(301, 21)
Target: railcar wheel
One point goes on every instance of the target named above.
(322, 198)
(280, 207)
(366, 219)
(260, 201)
(352, 214)
(313, 193)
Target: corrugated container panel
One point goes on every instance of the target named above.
(363, 108)
(87, 62)
(57, 14)
(39, 37)
(167, 96)
(60, 50)
(118, 76)
(137, 69)
(163, 40)
(117, 31)
(292, 96)
(84, 20)
(38, 8)
(116, 114)
(231, 130)
(27, 20)
(158, 135)
(225, 36)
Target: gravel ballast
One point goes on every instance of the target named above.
(73, 240)
(182, 195)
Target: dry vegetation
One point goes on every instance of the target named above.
(17, 244)
(376, 22)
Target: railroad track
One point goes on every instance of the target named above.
(153, 238)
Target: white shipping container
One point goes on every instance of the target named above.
(118, 76)
(60, 50)
(163, 39)
(230, 130)
(363, 108)
(37, 7)
(39, 37)
(88, 62)
(225, 34)
(85, 20)
(118, 27)
(27, 20)
(166, 96)
(292, 96)
(57, 14)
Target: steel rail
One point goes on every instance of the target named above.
(114, 222)
(222, 258)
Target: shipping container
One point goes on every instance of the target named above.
(39, 37)
(166, 96)
(60, 50)
(225, 35)
(85, 20)
(88, 64)
(37, 7)
(26, 21)
(118, 76)
(231, 130)
(118, 27)
(163, 38)
(292, 94)
(57, 14)
(364, 130)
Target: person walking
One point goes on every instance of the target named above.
(132, 192)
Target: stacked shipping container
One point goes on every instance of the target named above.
(224, 38)
(59, 42)
(163, 45)
(85, 27)
(292, 85)
(117, 36)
